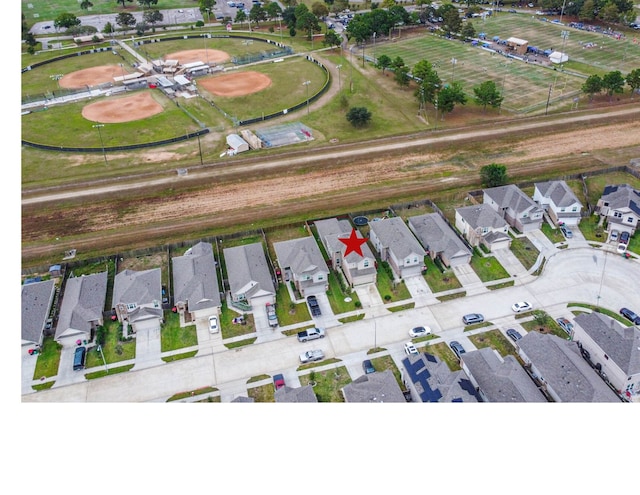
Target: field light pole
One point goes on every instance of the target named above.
(306, 83)
(546, 110)
(104, 152)
(204, 42)
(339, 82)
(374, 48)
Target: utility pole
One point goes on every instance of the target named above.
(546, 110)
(339, 83)
(104, 152)
(306, 83)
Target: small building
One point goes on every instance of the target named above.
(397, 245)
(301, 261)
(236, 144)
(518, 209)
(250, 280)
(559, 201)
(137, 297)
(517, 45)
(439, 239)
(482, 225)
(620, 205)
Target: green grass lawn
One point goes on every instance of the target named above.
(263, 393)
(548, 326)
(328, 383)
(48, 359)
(438, 281)
(230, 329)
(384, 363)
(173, 336)
(389, 291)
(337, 296)
(525, 251)
(114, 349)
(554, 235)
(495, 340)
(289, 312)
(488, 268)
(444, 353)
(49, 10)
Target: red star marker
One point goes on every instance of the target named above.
(353, 243)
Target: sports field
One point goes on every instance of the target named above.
(44, 10)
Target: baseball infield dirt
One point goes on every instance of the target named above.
(240, 84)
(116, 110)
(92, 76)
(207, 56)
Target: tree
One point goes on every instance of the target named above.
(66, 20)
(358, 116)
(429, 81)
(257, 14)
(493, 175)
(241, 17)
(85, 5)
(273, 10)
(147, 3)
(122, 2)
(308, 23)
(451, 22)
(613, 82)
(402, 75)
(206, 6)
(609, 13)
(384, 62)
(108, 28)
(588, 11)
(487, 94)
(125, 20)
(450, 96)
(332, 39)
(152, 16)
(320, 9)
(633, 80)
(592, 86)
(468, 31)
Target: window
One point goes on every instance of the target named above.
(320, 277)
(575, 208)
(630, 219)
(485, 230)
(131, 306)
(617, 214)
(365, 263)
(606, 203)
(562, 210)
(606, 357)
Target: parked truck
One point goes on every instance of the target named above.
(311, 334)
(271, 315)
(310, 356)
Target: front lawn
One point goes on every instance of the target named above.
(444, 353)
(329, 383)
(389, 290)
(337, 295)
(543, 323)
(263, 393)
(525, 251)
(384, 363)
(173, 336)
(229, 328)
(495, 340)
(553, 234)
(488, 268)
(48, 359)
(437, 280)
(115, 349)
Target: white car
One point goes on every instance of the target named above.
(213, 324)
(410, 349)
(519, 307)
(419, 332)
(622, 247)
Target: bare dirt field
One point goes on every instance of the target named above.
(113, 111)
(92, 76)
(240, 84)
(202, 55)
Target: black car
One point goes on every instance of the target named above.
(457, 348)
(630, 315)
(514, 334)
(314, 306)
(367, 366)
(624, 237)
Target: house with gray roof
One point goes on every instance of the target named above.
(295, 394)
(357, 270)
(518, 209)
(380, 386)
(195, 282)
(499, 379)
(249, 276)
(429, 379)
(396, 244)
(481, 225)
(620, 205)
(559, 201)
(82, 308)
(559, 367)
(301, 260)
(439, 240)
(137, 298)
(613, 349)
(37, 298)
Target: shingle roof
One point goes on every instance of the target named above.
(512, 197)
(501, 380)
(563, 368)
(247, 270)
(331, 230)
(298, 394)
(195, 280)
(482, 215)
(300, 255)
(36, 304)
(380, 386)
(622, 196)
(140, 287)
(436, 236)
(559, 192)
(620, 343)
(435, 382)
(394, 234)
(83, 303)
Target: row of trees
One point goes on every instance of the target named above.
(611, 83)
(589, 10)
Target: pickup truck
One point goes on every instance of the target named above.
(271, 315)
(311, 334)
(309, 356)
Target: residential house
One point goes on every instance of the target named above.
(559, 367)
(518, 209)
(297, 394)
(499, 379)
(614, 350)
(430, 380)
(380, 386)
(482, 225)
(439, 240)
(137, 297)
(37, 298)
(82, 308)
(396, 245)
(195, 283)
(559, 201)
(250, 280)
(357, 270)
(301, 260)
(620, 205)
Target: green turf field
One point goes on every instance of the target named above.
(45, 10)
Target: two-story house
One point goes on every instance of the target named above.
(482, 225)
(518, 209)
(559, 201)
(439, 240)
(137, 298)
(357, 270)
(620, 205)
(613, 349)
(395, 244)
(250, 280)
(301, 260)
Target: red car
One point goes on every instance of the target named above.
(278, 381)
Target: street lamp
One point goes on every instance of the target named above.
(339, 83)
(374, 48)
(104, 152)
(454, 61)
(204, 42)
(306, 83)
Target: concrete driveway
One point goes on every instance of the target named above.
(420, 290)
(148, 347)
(510, 263)
(469, 279)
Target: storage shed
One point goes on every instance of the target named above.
(517, 45)
(237, 144)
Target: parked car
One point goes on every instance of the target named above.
(472, 318)
(624, 237)
(310, 356)
(314, 306)
(278, 381)
(457, 348)
(79, 358)
(613, 236)
(622, 247)
(410, 349)
(565, 324)
(213, 324)
(630, 315)
(367, 366)
(419, 332)
(566, 231)
(521, 306)
(513, 334)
